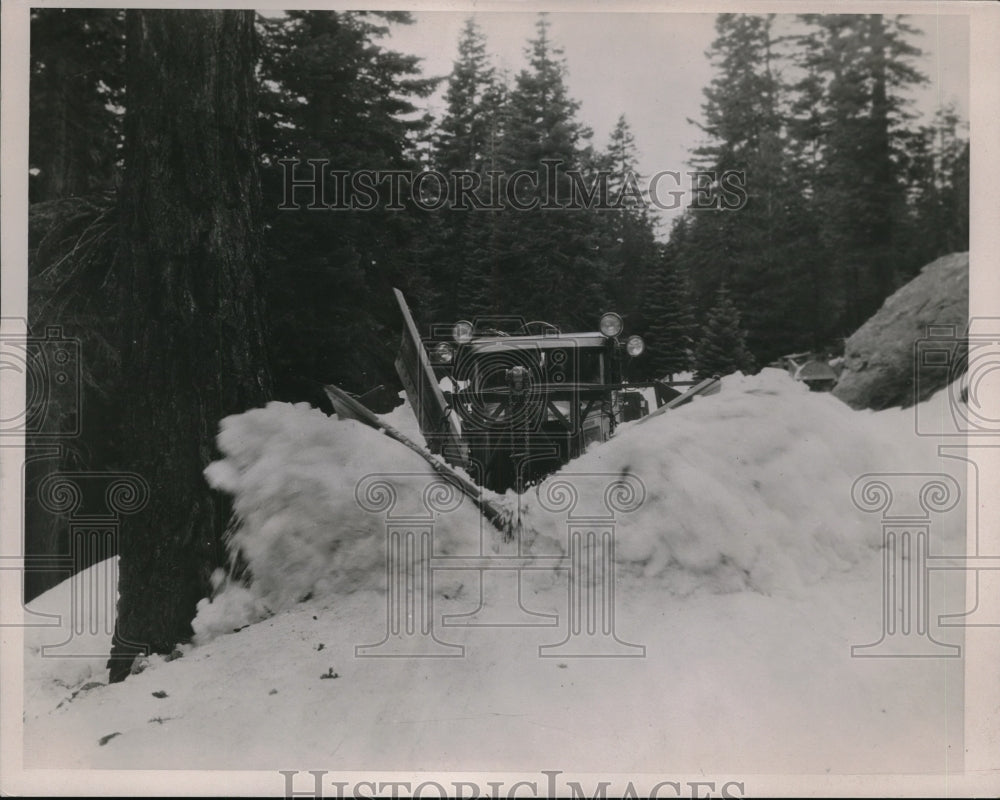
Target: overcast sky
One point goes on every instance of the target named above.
(652, 67)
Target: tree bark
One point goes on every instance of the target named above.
(193, 288)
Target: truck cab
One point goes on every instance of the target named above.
(526, 400)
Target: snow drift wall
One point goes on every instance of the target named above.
(745, 490)
(878, 358)
(301, 531)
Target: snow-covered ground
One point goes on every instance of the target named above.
(746, 573)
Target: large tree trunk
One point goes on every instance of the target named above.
(192, 285)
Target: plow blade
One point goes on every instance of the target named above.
(347, 407)
(439, 427)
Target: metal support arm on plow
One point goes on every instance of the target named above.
(704, 387)
(348, 407)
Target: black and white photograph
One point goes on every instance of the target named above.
(500, 399)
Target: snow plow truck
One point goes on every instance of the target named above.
(502, 402)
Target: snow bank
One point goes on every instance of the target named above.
(68, 651)
(878, 357)
(301, 530)
(746, 489)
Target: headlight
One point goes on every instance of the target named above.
(462, 331)
(611, 324)
(444, 353)
(635, 345)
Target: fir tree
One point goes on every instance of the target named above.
(668, 311)
(621, 157)
(722, 348)
(542, 122)
(937, 179)
(670, 320)
(754, 246)
(463, 139)
(629, 249)
(546, 265)
(77, 89)
(860, 70)
(332, 90)
(458, 260)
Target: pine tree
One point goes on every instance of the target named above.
(478, 290)
(820, 303)
(332, 90)
(457, 260)
(77, 88)
(621, 156)
(463, 138)
(629, 247)
(937, 180)
(742, 103)
(542, 122)
(862, 69)
(670, 318)
(722, 348)
(546, 265)
(756, 246)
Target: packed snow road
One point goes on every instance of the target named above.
(745, 573)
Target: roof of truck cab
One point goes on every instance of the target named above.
(587, 339)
